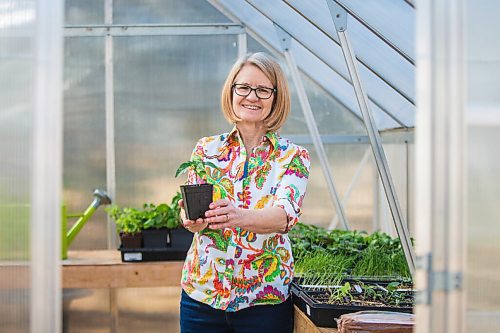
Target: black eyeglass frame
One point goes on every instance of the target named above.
(273, 90)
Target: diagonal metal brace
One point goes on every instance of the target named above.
(339, 17)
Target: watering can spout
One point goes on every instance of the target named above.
(100, 198)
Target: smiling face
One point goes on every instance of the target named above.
(251, 109)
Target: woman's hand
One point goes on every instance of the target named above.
(193, 226)
(222, 214)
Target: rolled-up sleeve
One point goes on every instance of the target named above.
(292, 187)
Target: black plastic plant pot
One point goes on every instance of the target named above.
(156, 238)
(196, 198)
(131, 241)
(181, 239)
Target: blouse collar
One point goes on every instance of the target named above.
(272, 137)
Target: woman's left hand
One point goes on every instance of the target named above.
(222, 214)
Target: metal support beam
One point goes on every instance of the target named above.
(110, 122)
(285, 42)
(441, 166)
(45, 164)
(152, 30)
(110, 150)
(339, 16)
(242, 44)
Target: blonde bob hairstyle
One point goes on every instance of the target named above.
(273, 71)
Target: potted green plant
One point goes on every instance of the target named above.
(165, 221)
(180, 237)
(197, 197)
(129, 225)
(156, 234)
(159, 228)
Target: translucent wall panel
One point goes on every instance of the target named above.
(398, 155)
(331, 116)
(16, 114)
(167, 91)
(344, 160)
(84, 135)
(151, 310)
(483, 232)
(483, 163)
(168, 12)
(84, 12)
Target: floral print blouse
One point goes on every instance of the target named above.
(232, 269)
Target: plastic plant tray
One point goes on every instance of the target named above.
(323, 314)
(152, 254)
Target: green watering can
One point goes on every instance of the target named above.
(100, 198)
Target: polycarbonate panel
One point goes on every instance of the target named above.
(338, 87)
(166, 11)
(148, 310)
(393, 19)
(483, 60)
(84, 136)
(86, 12)
(167, 91)
(152, 310)
(344, 160)
(331, 116)
(483, 272)
(16, 116)
(320, 35)
(315, 44)
(397, 156)
(483, 166)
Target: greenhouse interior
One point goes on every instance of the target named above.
(396, 101)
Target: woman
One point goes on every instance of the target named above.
(237, 273)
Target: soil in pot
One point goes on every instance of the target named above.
(197, 199)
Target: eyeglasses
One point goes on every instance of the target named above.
(245, 90)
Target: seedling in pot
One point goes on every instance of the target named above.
(197, 197)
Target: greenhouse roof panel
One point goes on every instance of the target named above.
(380, 57)
(394, 20)
(337, 86)
(387, 72)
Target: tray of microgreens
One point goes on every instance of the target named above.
(338, 272)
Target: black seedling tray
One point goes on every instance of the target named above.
(297, 300)
(323, 314)
(152, 254)
(180, 242)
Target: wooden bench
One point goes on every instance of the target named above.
(104, 269)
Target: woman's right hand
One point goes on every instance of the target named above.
(193, 226)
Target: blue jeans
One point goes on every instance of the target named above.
(197, 317)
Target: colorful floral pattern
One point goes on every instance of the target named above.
(234, 268)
